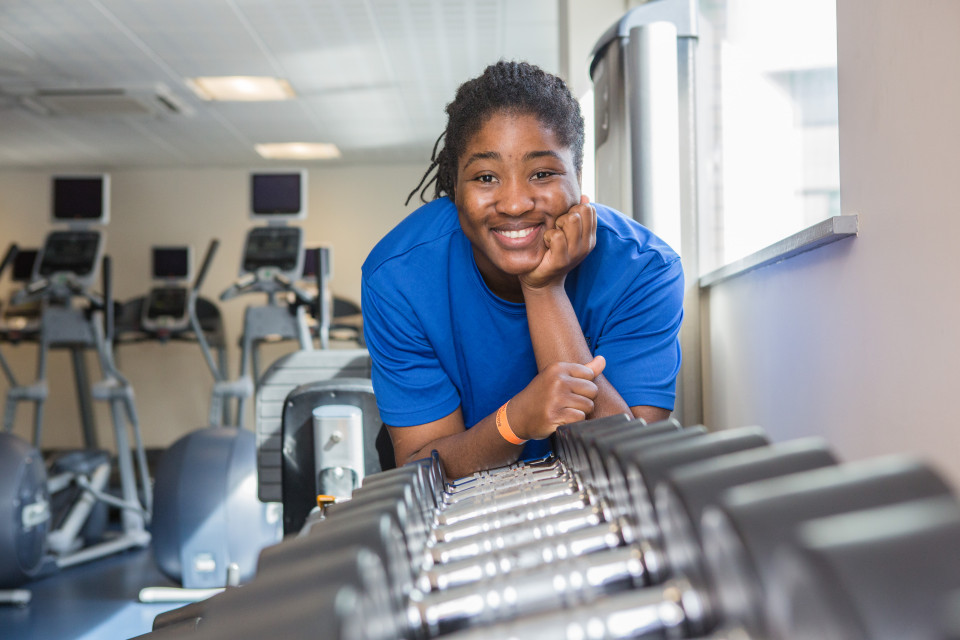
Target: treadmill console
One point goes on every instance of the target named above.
(276, 248)
(73, 253)
(165, 308)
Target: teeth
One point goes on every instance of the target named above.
(520, 233)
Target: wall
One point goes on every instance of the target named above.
(859, 341)
(350, 209)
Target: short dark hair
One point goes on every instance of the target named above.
(513, 87)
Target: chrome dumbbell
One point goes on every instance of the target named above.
(540, 521)
(506, 589)
(880, 574)
(725, 577)
(342, 596)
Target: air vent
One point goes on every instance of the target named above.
(127, 101)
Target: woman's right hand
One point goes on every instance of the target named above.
(562, 393)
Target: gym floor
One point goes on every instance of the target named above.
(94, 601)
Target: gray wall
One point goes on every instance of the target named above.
(860, 341)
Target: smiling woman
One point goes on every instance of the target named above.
(510, 304)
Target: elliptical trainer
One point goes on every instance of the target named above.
(38, 537)
(195, 538)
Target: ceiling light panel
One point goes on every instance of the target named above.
(241, 88)
(299, 150)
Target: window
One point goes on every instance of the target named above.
(767, 123)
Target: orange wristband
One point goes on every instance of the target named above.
(503, 426)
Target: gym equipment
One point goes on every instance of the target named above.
(831, 584)
(280, 422)
(272, 262)
(165, 309)
(26, 519)
(206, 514)
(163, 315)
(21, 322)
(330, 430)
(691, 541)
(59, 521)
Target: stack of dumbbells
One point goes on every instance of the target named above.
(629, 531)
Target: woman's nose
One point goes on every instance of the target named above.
(516, 198)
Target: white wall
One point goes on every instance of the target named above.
(860, 341)
(350, 208)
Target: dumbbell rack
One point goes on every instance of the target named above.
(629, 531)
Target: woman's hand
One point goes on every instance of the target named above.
(560, 394)
(568, 243)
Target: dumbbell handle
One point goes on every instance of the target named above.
(567, 584)
(525, 532)
(545, 462)
(507, 481)
(660, 612)
(510, 498)
(512, 517)
(605, 536)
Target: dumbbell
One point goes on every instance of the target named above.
(580, 443)
(688, 605)
(377, 528)
(400, 495)
(510, 589)
(527, 474)
(742, 533)
(880, 574)
(951, 617)
(512, 528)
(567, 444)
(341, 596)
(571, 442)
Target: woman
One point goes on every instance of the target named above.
(509, 305)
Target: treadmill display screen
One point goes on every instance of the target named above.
(80, 198)
(277, 247)
(70, 251)
(23, 265)
(171, 263)
(168, 302)
(276, 194)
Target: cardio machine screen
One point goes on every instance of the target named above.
(70, 251)
(277, 247)
(80, 198)
(171, 263)
(23, 265)
(276, 193)
(167, 302)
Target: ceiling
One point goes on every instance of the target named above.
(371, 76)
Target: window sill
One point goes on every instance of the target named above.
(820, 234)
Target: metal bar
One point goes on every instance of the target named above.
(87, 422)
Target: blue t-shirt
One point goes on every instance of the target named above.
(439, 338)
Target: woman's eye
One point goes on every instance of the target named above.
(485, 178)
(543, 175)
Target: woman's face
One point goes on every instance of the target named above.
(514, 180)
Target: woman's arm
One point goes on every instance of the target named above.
(565, 393)
(554, 328)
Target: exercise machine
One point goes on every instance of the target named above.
(59, 514)
(208, 524)
(163, 315)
